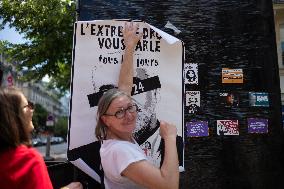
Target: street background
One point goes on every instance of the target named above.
(57, 151)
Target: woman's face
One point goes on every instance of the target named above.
(190, 75)
(27, 113)
(125, 125)
(230, 99)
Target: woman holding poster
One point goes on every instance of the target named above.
(124, 163)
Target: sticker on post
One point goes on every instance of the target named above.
(197, 129)
(232, 75)
(191, 73)
(258, 99)
(227, 127)
(257, 125)
(192, 101)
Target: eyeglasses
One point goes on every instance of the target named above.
(121, 113)
(30, 105)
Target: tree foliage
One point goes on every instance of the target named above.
(61, 127)
(47, 25)
(39, 117)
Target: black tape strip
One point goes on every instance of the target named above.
(139, 86)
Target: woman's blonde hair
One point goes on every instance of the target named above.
(103, 105)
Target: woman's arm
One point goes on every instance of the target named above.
(73, 185)
(125, 80)
(147, 175)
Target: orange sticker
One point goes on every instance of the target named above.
(232, 75)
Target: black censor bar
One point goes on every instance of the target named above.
(139, 86)
(94, 98)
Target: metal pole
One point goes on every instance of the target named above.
(47, 149)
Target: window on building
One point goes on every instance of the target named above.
(283, 116)
(282, 41)
(1, 76)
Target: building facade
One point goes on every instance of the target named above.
(35, 92)
(278, 6)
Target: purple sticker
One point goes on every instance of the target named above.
(257, 125)
(197, 128)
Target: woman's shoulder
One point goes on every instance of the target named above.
(115, 147)
(21, 155)
(27, 150)
(28, 153)
(114, 143)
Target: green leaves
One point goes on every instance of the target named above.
(61, 127)
(39, 117)
(48, 28)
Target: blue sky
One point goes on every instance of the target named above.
(11, 35)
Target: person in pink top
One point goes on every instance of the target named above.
(21, 166)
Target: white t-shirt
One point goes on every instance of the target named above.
(116, 155)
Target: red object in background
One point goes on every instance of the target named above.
(10, 80)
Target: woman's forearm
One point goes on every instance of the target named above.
(131, 39)
(170, 165)
(125, 80)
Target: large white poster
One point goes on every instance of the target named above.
(158, 88)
